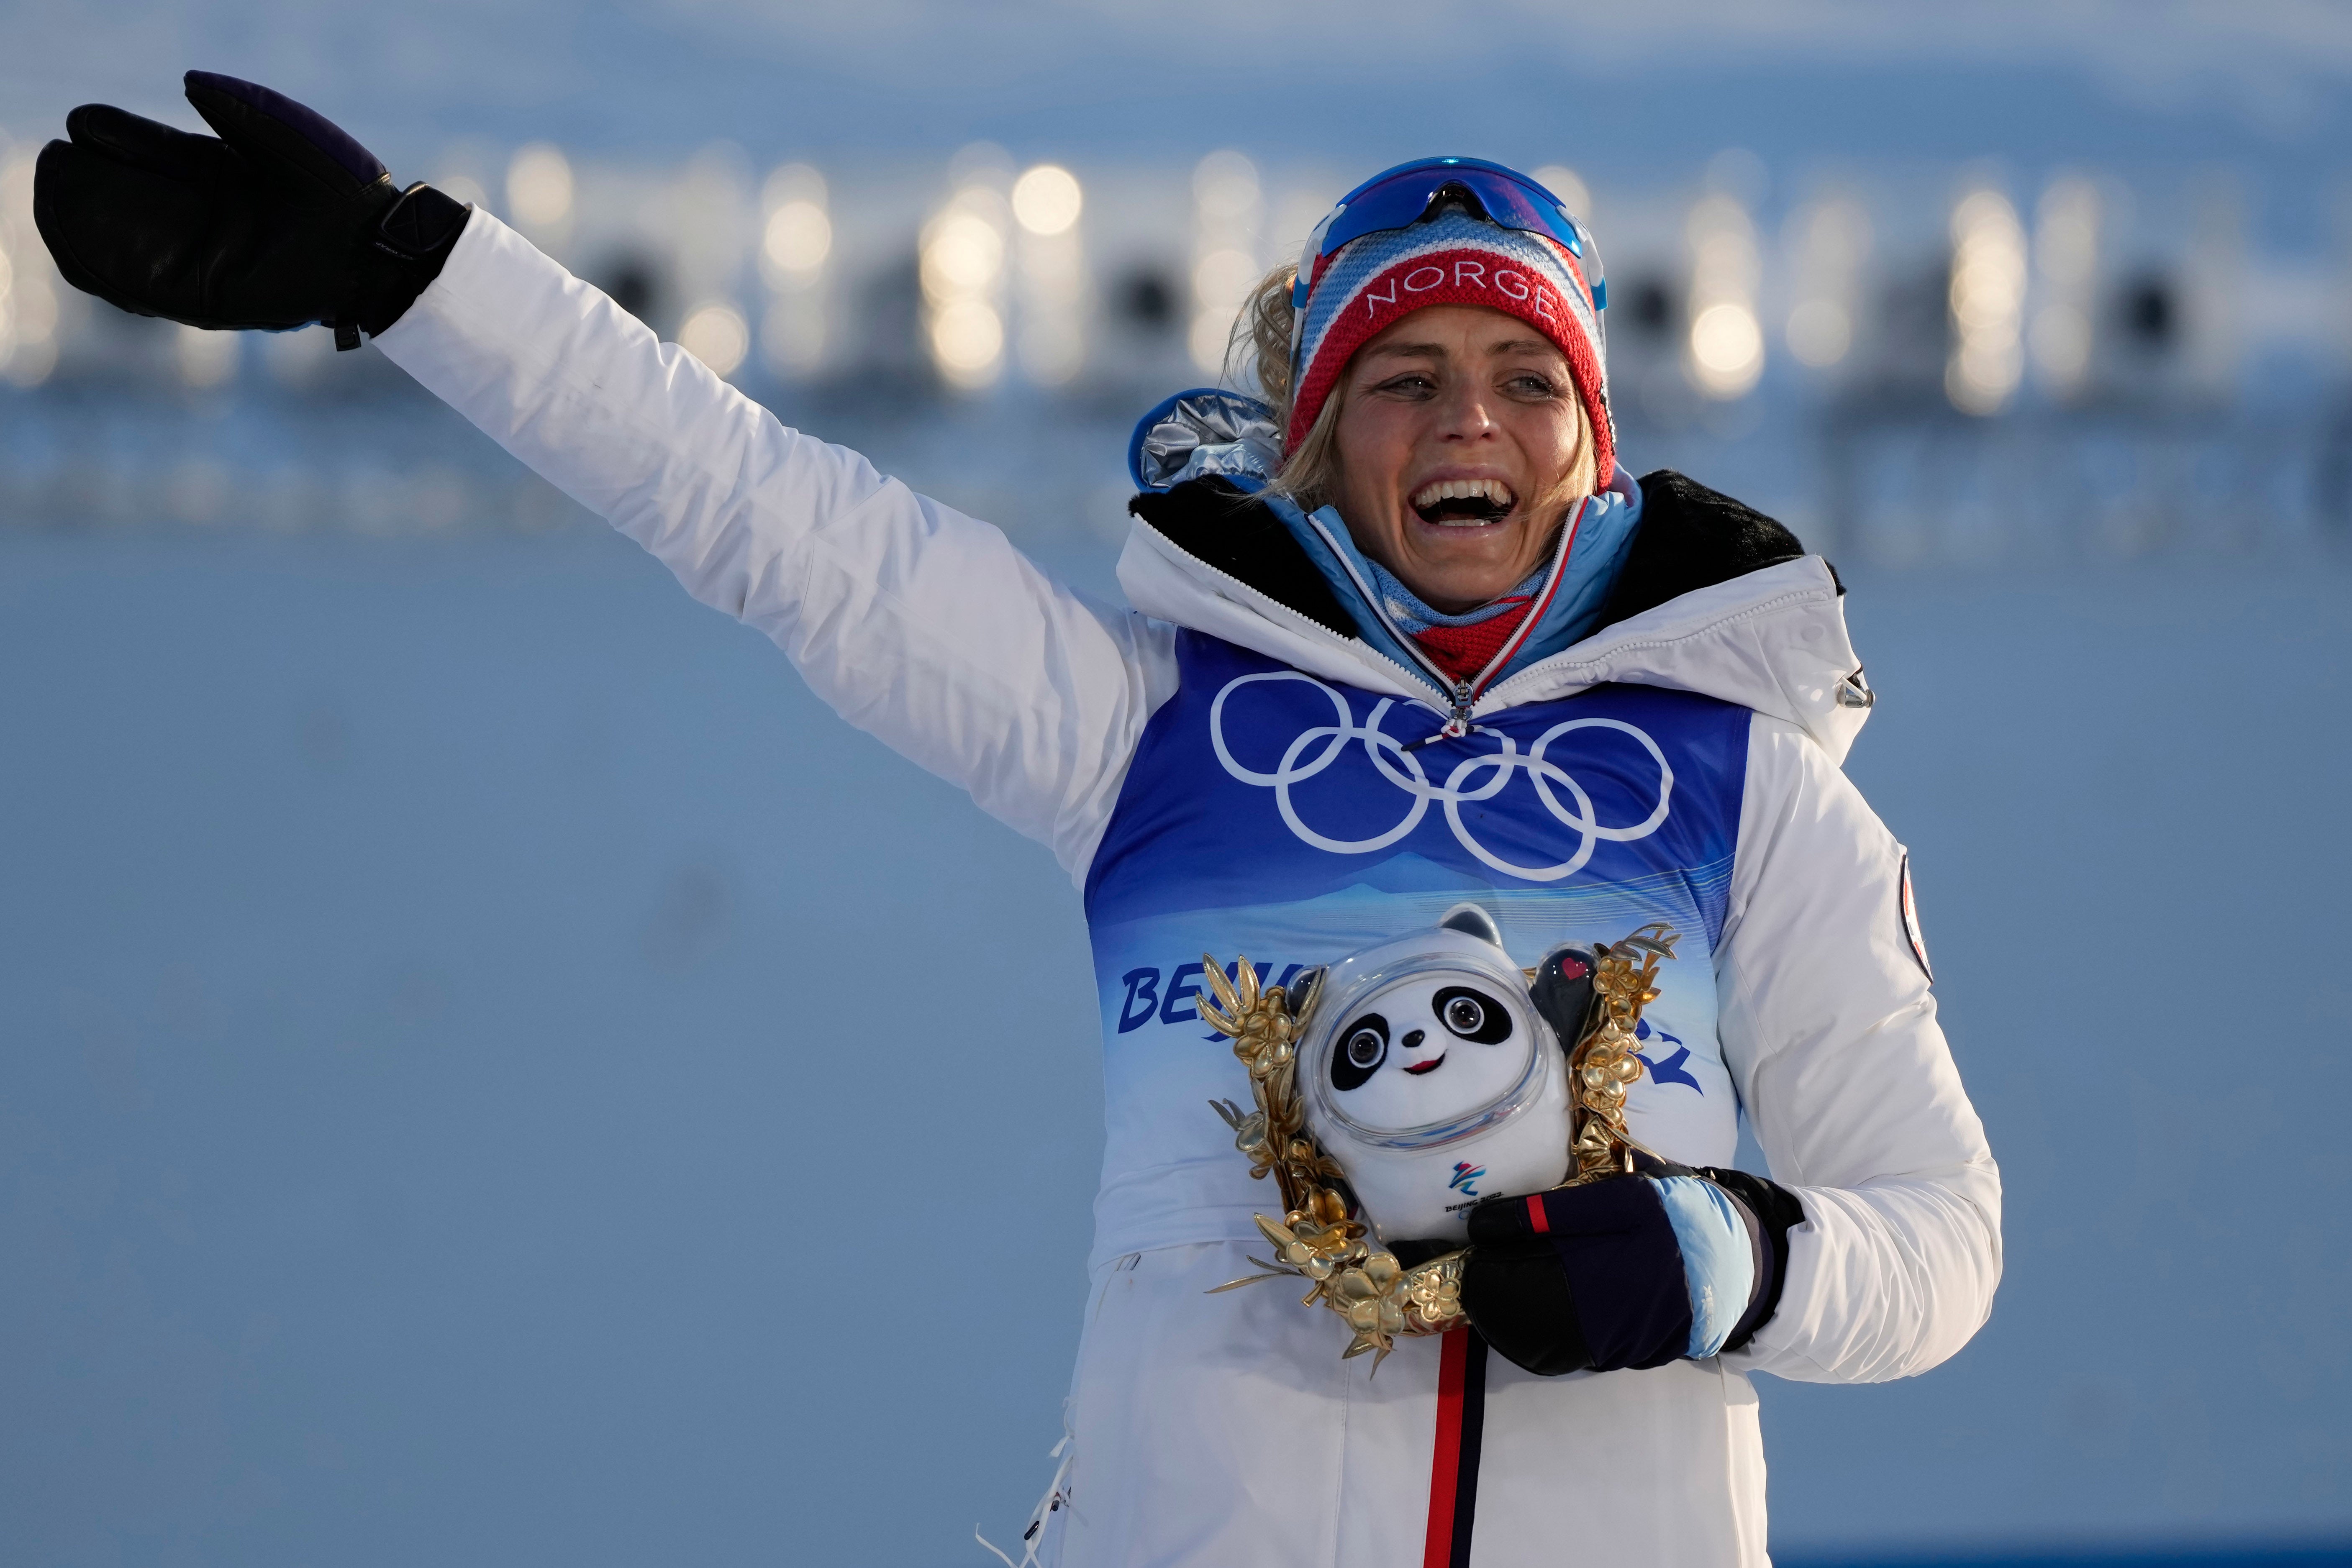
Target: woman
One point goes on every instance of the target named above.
(1359, 617)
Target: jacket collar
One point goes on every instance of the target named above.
(1570, 594)
(1713, 598)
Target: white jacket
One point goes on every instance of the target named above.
(929, 630)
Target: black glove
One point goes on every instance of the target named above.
(282, 222)
(1604, 1276)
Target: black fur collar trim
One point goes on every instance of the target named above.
(1692, 538)
(1220, 523)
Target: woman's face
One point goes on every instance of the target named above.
(1456, 444)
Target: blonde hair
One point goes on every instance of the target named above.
(1261, 335)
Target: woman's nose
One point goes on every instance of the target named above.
(1467, 417)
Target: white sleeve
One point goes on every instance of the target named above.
(1830, 1030)
(919, 625)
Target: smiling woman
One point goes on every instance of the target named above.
(1441, 391)
(1443, 386)
(1447, 498)
(1352, 629)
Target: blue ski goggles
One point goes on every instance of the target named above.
(1399, 197)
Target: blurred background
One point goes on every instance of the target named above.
(493, 1072)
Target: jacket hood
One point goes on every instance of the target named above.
(1713, 598)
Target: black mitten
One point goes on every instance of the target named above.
(283, 221)
(1632, 1272)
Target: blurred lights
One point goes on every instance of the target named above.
(968, 336)
(1728, 348)
(1052, 343)
(1988, 303)
(962, 256)
(33, 308)
(795, 242)
(2066, 253)
(1225, 195)
(1046, 200)
(797, 238)
(710, 217)
(1727, 343)
(1008, 288)
(961, 265)
(31, 361)
(28, 299)
(716, 334)
(1828, 242)
(539, 186)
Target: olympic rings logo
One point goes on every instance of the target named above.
(1402, 768)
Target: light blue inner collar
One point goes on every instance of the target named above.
(1413, 614)
(1596, 554)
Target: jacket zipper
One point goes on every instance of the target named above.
(1461, 690)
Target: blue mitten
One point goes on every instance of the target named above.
(1634, 1271)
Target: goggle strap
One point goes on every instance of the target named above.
(1302, 286)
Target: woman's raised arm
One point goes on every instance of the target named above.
(919, 625)
(922, 627)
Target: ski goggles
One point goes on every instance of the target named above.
(1399, 197)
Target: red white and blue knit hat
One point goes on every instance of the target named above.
(1450, 258)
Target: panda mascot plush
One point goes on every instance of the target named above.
(1436, 1072)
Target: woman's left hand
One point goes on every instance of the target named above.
(1630, 1271)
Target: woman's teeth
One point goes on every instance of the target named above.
(1464, 503)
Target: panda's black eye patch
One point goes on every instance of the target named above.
(1472, 1015)
(1363, 1046)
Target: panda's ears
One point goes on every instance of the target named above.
(1472, 921)
(1306, 990)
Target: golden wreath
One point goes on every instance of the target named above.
(1317, 1238)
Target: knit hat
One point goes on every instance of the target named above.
(1453, 259)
